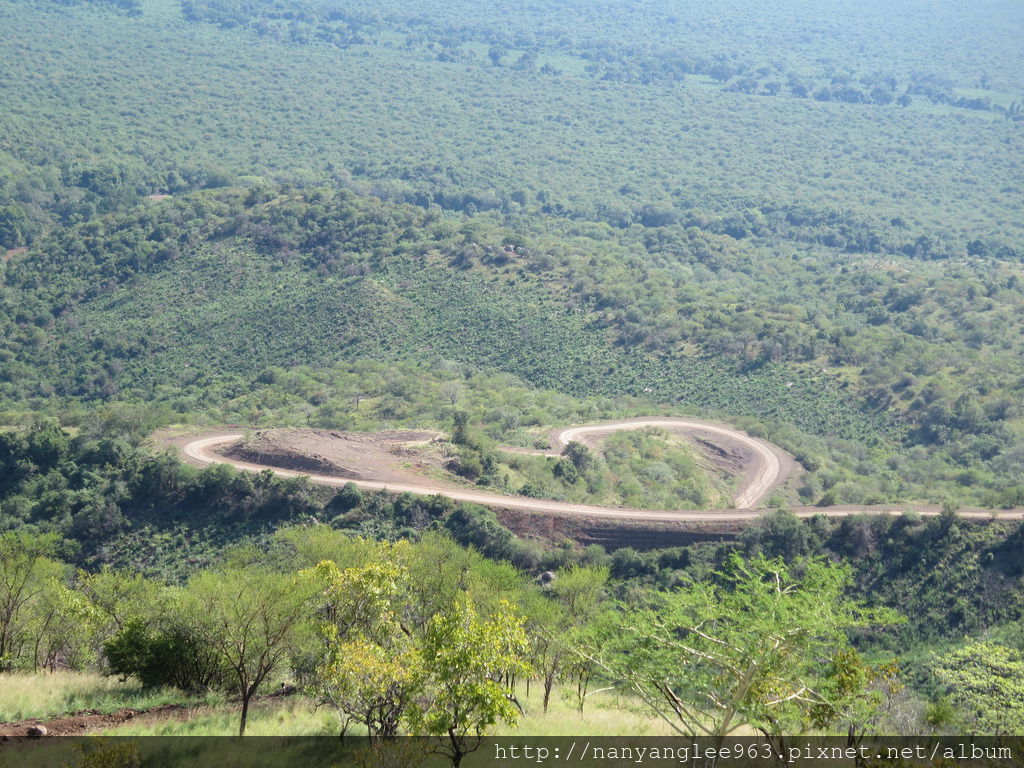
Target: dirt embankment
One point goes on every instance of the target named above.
(641, 535)
(270, 449)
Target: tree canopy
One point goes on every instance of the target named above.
(751, 650)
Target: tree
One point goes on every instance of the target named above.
(855, 694)
(546, 620)
(749, 651)
(119, 597)
(166, 650)
(368, 682)
(367, 659)
(466, 666)
(27, 573)
(580, 456)
(460, 431)
(581, 591)
(986, 681)
(555, 617)
(251, 621)
(64, 624)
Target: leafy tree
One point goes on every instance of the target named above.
(64, 625)
(555, 617)
(347, 498)
(581, 457)
(367, 660)
(748, 651)
(460, 426)
(251, 620)
(166, 652)
(582, 591)
(778, 534)
(855, 694)
(477, 526)
(46, 444)
(368, 682)
(27, 573)
(464, 681)
(119, 597)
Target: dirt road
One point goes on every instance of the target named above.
(766, 474)
(769, 468)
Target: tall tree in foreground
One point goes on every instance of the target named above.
(468, 666)
(555, 618)
(366, 658)
(27, 573)
(250, 619)
(750, 651)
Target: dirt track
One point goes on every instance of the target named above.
(769, 469)
(766, 474)
(88, 721)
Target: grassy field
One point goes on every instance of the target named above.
(298, 716)
(49, 695)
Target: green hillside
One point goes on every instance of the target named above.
(188, 302)
(804, 219)
(155, 103)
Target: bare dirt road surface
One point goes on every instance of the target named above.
(765, 473)
(368, 461)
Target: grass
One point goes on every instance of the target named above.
(604, 715)
(49, 695)
(24, 696)
(642, 469)
(295, 716)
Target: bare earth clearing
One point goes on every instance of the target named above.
(397, 461)
(88, 721)
(402, 461)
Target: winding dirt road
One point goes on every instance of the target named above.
(771, 465)
(769, 469)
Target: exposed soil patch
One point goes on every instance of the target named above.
(89, 720)
(732, 459)
(10, 254)
(642, 535)
(395, 456)
(86, 721)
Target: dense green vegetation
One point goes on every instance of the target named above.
(647, 469)
(151, 514)
(425, 638)
(643, 470)
(332, 605)
(856, 335)
(890, 384)
(201, 107)
(804, 219)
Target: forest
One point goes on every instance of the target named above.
(800, 219)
